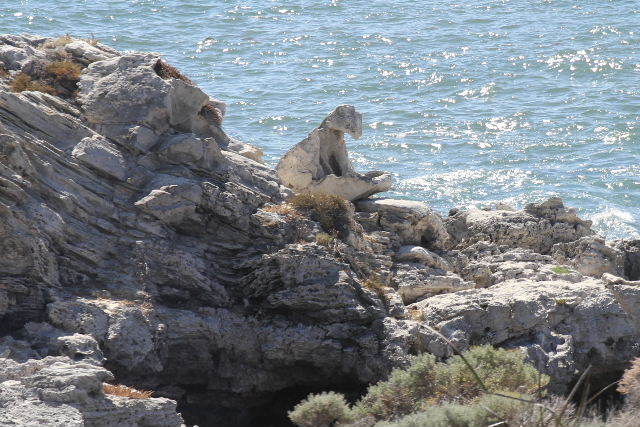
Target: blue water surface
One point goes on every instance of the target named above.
(467, 103)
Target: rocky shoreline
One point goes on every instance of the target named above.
(143, 246)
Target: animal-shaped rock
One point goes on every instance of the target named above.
(320, 162)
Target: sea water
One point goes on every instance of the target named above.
(467, 103)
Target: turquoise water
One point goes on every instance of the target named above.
(467, 102)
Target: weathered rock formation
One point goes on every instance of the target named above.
(320, 162)
(139, 246)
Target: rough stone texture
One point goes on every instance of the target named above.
(320, 162)
(591, 256)
(563, 326)
(538, 227)
(55, 391)
(413, 222)
(415, 282)
(631, 251)
(101, 155)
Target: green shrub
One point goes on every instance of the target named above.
(486, 411)
(404, 390)
(332, 212)
(499, 369)
(427, 382)
(321, 410)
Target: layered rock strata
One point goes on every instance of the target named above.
(141, 245)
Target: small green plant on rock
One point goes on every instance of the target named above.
(324, 239)
(561, 269)
(321, 410)
(427, 383)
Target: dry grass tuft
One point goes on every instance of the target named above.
(124, 391)
(416, 314)
(3, 72)
(64, 70)
(60, 41)
(24, 82)
(629, 385)
(374, 283)
(284, 209)
(332, 212)
(167, 71)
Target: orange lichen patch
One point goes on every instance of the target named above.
(24, 82)
(124, 391)
(64, 70)
(167, 71)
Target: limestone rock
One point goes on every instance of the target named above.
(320, 162)
(631, 251)
(538, 227)
(590, 256)
(424, 256)
(563, 326)
(101, 155)
(414, 222)
(58, 392)
(415, 283)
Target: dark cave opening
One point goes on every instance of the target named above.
(601, 390)
(267, 410)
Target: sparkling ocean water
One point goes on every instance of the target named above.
(466, 102)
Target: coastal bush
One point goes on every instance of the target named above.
(426, 382)
(486, 411)
(321, 410)
(23, 82)
(332, 212)
(124, 391)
